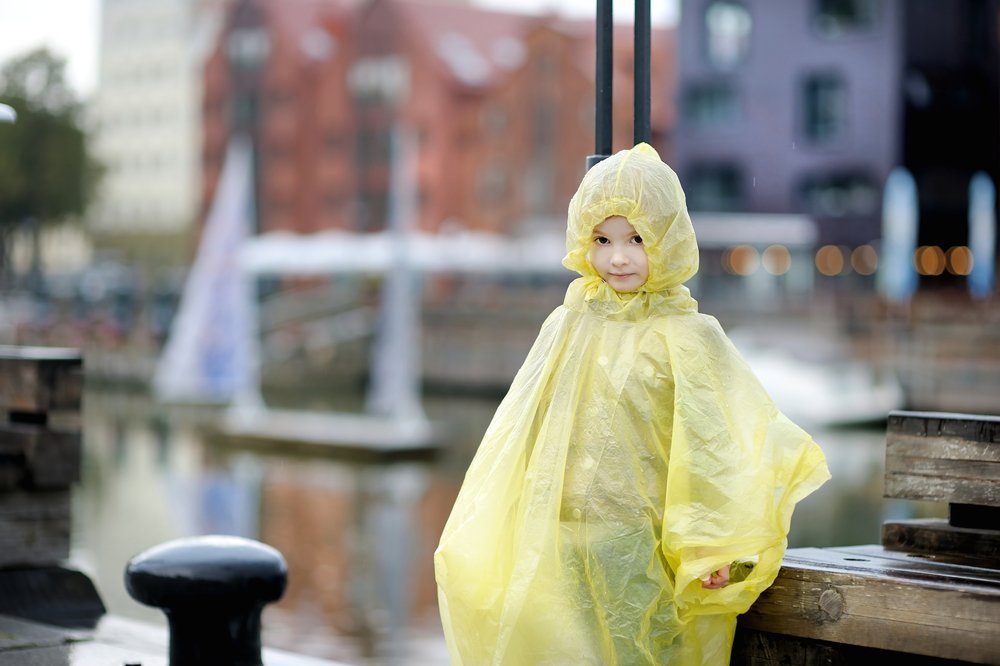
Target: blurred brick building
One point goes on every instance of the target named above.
(496, 108)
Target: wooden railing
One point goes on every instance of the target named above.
(930, 593)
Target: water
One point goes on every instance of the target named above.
(358, 537)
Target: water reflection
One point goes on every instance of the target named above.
(358, 537)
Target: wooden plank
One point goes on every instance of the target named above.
(943, 448)
(951, 490)
(761, 648)
(38, 457)
(947, 567)
(936, 536)
(943, 457)
(40, 379)
(872, 558)
(870, 601)
(34, 527)
(970, 427)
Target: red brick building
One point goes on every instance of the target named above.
(498, 109)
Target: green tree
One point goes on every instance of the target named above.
(47, 174)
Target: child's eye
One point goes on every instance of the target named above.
(637, 240)
(601, 240)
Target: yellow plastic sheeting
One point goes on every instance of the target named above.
(634, 453)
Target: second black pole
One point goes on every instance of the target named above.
(640, 72)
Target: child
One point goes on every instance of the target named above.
(634, 459)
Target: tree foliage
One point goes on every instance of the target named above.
(46, 170)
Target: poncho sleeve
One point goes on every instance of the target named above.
(737, 468)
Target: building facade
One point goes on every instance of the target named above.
(148, 125)
(779, 114)
(807, 107)
(495, 110)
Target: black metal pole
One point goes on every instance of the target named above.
(640, 121)
(602, 120)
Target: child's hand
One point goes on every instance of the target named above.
(717, 579)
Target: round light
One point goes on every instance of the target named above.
(777, 260)
(741, 260)
(830, 260)
(864, 260)
(929, 260)
(959, 260)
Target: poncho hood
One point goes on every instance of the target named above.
(637, 185)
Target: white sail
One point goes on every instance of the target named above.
(208, 356)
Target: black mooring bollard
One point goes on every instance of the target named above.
(212, 590)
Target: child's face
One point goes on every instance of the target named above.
(618, 255)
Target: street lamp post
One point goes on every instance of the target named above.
(603, 79)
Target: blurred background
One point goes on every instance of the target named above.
(306, 244)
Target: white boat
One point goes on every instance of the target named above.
(831, 389)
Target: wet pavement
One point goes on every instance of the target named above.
(115, 641)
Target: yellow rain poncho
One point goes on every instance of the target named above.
(634, 454)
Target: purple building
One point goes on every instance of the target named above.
(805, 107)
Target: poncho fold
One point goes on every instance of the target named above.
(634, 453)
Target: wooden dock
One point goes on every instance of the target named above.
(929, 594)
(49, 613)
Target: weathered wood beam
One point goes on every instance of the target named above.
(34, 527)
(39, 379)
(761, 648)
(38, 457)
(872, 598)
(943, 457)
(935, 536)
(40, 452)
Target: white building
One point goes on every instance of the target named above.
(146, 114)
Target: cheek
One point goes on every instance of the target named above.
(642, 261)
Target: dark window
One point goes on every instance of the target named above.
(494, 120)
(278, 100)
(492, 184)
(248, 48)
(244, 110)
(276, 152)
(335, 143)
(373, 145)
(716, 187)
(710, 105)
(835, 18)
(335, 201)
(538, 181)
(374, 210)
(839, 195)
(824, 107)
(728, 26)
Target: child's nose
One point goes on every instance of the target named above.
(619, 258)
